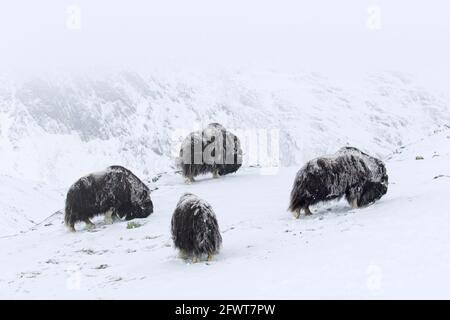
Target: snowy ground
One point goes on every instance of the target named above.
(397, 248)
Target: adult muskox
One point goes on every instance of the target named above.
(362, 179)
(212, 150)
(195, 230)
(115, 192)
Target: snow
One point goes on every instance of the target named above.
(87, 122)
(25, 203)
(396, 248)
(81, 93)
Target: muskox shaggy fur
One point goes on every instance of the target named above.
(212, 150)
(195, 230)
(362, 179)
(115, 192)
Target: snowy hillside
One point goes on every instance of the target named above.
(397, 248)
(25, 203)
(57, 128)
(53, 131)
(92, 84)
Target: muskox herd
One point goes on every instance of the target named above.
(117, 193)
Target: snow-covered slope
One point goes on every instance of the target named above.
(57, 128)
(25, 203)
(397, 248)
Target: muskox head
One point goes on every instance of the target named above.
(143, 206)
(379, 172)
(137, 202)
(377, 186)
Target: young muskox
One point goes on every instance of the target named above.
(359, 177)
(212, 150)
(195, 231)
(115, 192)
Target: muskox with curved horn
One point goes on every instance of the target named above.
(212, 150)
(362, 179)
(195, 230)
(115, 192)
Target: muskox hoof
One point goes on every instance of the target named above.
(307, 211)
(109, 217)
(89, 224)
(183, 255)
(354, 204)
(216, 174)
(296, 213)
(189, 180)
(71, 228)
(210, 257)
(194, 259)
(108, 220)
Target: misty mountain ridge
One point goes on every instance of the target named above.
(55, 129)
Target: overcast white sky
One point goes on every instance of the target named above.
(315, 34)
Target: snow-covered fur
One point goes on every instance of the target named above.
(115, 192)
(212, 150)
(362, 179)
(195, 230)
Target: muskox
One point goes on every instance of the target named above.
(362, 179)
(115, 192)
(212, 150)
(195, 231)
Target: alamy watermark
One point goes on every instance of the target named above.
(373, 21)
(73, 17)
(374, 278)
(73, 280)
(250, 147)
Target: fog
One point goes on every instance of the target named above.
(325, 35)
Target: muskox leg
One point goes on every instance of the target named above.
(194, 259)
(71, 227)
(307, 211)
(296, 213)
(109, 216)
(189, 179)
(115, 216)
(183, 255)
(216, 174)
(210, 256)
(354, 203)
(89, 224)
